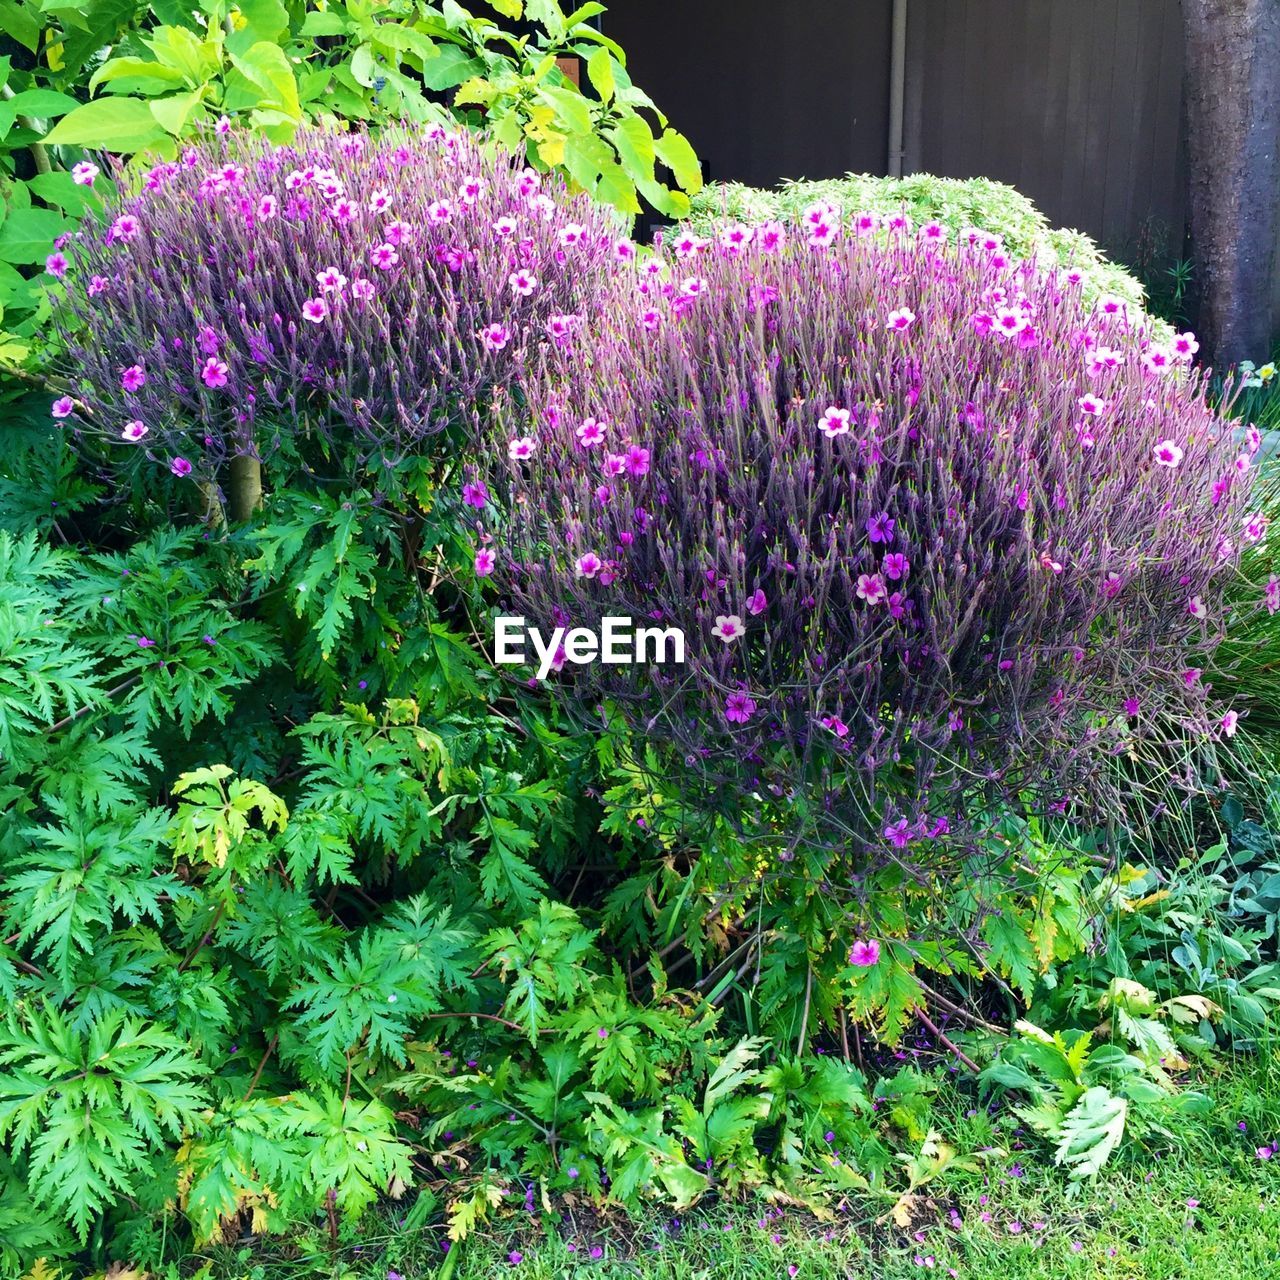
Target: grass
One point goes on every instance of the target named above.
(1200, 1204)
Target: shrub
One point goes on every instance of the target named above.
(253, 298)
(957, 203)
(943, 537)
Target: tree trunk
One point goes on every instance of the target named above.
(1233, 144)
(244, 487)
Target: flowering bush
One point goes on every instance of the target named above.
(957, 203)
(250, 297)
(942, 537)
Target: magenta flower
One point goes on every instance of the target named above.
(898, 833)
(1229, 723)
(56, 265)
(84, 173)
(1271, 594)
(756, 603)
(475, 494)
(1167, 454)
(895, 566)
(739, 708)
(315, 310)
(864, 953)
(495, 336)
(484, 562)
(900, 320)
(62, 407)
(588, 565)
(636, 461)
(180, 467)
(133, 377)
(880, 527)
(521, 447)
(214, 372)
(590, 432)
(133, 431)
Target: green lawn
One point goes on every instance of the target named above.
(1203, 1206)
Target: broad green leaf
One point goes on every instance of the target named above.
(109, 124)
(44, 104)
(174, 112)
(146, 72)
(571, 108)
(600, 73)
(268, 69)
(634, 141)
(27, 235)
(675, 152)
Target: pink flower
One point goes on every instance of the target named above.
(1157, 360)
(836, 725)
(895, 565)
(521, 447)
(739, 708)
(84, 173)
(180, 467)
(439, 211)
(484, 562)
(865, 953)
(384, 256)
(834, 422)
(267, 208)
(133, 377)
(126, 227)
(898, 833)
(314, 310)
(475, 494)
(728, 628)
(1196, 608)
(880, 527)
(1271, 594)
(363, 290)
(56, 265)
(1092, 405)
(133, 431)
(590, 432)
(214, 372)
(756, 602)
(636, 461)
(494, 337)
(1185, 346)
(900, 320)
(523, 283)
(570, 234)
(1191, 677)
(1229, 723)
(331, 280)
(559, 328)
(588, 565)
(871, 588)
(62, 407)
(1167, 454)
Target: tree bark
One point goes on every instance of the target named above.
(1233, 145)
(244, 487)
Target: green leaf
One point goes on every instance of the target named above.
(44, 104)
(675, 152)
(600, 73)
(145, 74)
(27, 235)
(267, 68)
(573, 111)
(1091, 1132)
(634, 142)
(109, 124)
(172, 113)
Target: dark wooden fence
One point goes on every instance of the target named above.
(1077, 103)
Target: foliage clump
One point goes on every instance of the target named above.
(252, 299)
(942, 535)
(957, 203)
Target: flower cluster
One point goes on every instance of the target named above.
(940, 533)
(251, 296)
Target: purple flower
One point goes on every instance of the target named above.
(864, 953)
(880, 527)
